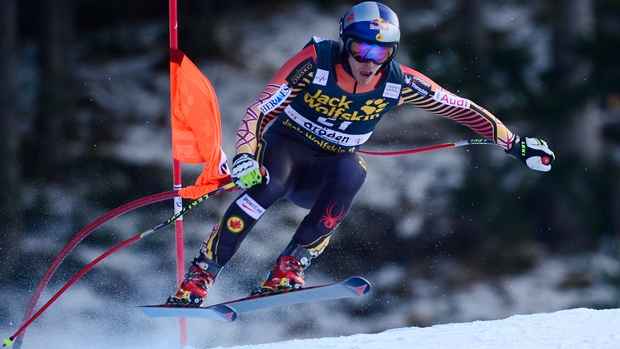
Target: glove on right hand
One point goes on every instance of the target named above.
(246, 171)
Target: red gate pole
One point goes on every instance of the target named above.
(176, 174)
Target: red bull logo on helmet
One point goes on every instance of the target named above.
(379, 24)
(371, 21)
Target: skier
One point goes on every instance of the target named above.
(298, 141)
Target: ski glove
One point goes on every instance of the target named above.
(246, 171)
(534, 152)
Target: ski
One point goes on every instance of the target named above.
(352, 287)
(214, 312)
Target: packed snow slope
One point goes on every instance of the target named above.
(568, 329)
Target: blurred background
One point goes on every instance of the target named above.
(459, 235)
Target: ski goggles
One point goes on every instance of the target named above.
(366, 52)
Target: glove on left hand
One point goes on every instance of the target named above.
(534, 152)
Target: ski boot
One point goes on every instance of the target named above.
(194, 288)
(287, 274)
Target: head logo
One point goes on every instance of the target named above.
(321, 77)
(235, 224)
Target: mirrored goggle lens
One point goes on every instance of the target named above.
(364, 52)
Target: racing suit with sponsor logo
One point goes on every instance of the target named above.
(305, 127)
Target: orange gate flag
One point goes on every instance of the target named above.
(196, 125)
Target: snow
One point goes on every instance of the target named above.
(102, 316)
(134, 92)
(569, 329)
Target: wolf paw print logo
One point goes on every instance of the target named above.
(372, 107)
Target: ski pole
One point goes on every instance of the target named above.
(428, 148)
(545, 159)
(8, 342)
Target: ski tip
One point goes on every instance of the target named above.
(7, 343)
(359, 285)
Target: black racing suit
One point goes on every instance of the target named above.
(305, 128)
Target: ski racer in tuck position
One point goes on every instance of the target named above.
(299, 139)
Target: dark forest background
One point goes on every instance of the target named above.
(56, 138)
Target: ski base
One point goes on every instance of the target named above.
(351, 287)
(214, 312)
(355, 286)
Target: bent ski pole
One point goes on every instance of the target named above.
(77, 276)
(428, 148)
(81, 235)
